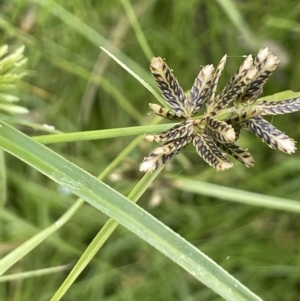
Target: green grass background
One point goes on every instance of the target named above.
(74, 86)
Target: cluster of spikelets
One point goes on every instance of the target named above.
(215, 133)
(10, 73)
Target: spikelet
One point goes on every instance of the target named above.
(163, 154)
(210, 153)
(213, 88)
(245, 113)
(168, 85)
(163, 112)
(183, 129)
(279, 107)
(153, 162)
(237, 152)
(266, 63)
(200, 89)
(173, 146)
(271, 135)
(243, 77)
(219, 130)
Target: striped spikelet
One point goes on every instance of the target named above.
(209, 151)
(270, 135)
(279, 107)
(219, 129)
(164, 112)
(201, 89)
(164, 153)
(183, 129)
(168, 85)
(153, 162)
(238, 153)
(265, 62)
(213, 88)
(235, 86)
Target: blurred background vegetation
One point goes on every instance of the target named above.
(74, 86)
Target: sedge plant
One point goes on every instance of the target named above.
(213, 134)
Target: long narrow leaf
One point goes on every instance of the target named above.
(103, 134)
(237, 195)
(3, 183)
(130, 71)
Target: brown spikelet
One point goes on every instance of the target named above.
(153, 162)
(246, 113)
(163, 154)
(214, 84)
(266, 63)
(271, 135)
(163, 112)
(180, 130)
(172, 147)
(210, 153)
(236, 85)
(219, 130)
(200, 89)
(237, 152)
(279, 107)
(168, 85)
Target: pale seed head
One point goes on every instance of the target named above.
(229, 135)
(157, 62)
(271, 62)
(148, 164)
(263, 53)
(223, 165)
(247, 62)
(287, 145)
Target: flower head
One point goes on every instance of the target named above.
(217, 131)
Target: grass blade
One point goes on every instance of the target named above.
(137, 29)
(137, 77)
(3, 179)
(18, 253)
(102, 134)
(236, 18)
(37, 273)
(236, 195)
